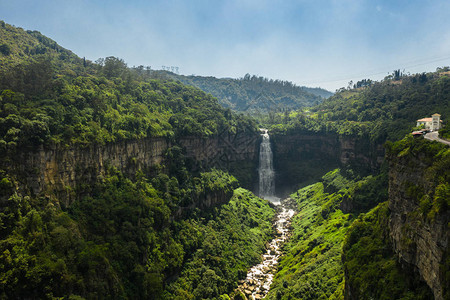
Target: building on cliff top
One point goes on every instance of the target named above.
(433, 123)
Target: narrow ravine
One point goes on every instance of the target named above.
(259, 278)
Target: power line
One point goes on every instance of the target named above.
(365, 75)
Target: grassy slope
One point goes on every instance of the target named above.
(328, 245)
(311, 268)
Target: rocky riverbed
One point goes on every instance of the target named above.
(259, 278)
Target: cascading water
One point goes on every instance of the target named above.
(259, 278)
(266, 172)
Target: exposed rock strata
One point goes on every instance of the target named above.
(58, 171)
(301, 155)
(418, 241)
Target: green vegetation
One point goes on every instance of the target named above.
(378, 111)
(338, 247)
(358, 194)
(371, 267)
(180, 234)
(444, 132)
(233, 239)
(53, 97)
(435, 158)
(253, 94)
(430, 196)
(332, 252)
(177, 233)
(312, 267)
(128, 241)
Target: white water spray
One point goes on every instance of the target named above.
(265, 170)
(259, 278)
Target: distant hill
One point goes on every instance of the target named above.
(253, 94)
(319, 92)
(48, 95)
(250, 94)
(18, 46)
(386, 110)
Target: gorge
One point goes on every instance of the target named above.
(259, 278)
(121, 183)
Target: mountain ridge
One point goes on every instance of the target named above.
(254, 94)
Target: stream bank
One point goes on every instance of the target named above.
(259, 278)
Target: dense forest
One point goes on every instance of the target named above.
(379, 110)
(341, 244)
(180, 231)
(124, 242)
(122, 238)
(48, 95)
(254, 94)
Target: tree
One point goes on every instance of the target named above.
(5, 49)
(397, 74)
(114, 67)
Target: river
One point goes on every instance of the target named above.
(259, 278)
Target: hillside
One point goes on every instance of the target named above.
(250, 94)
(380, 110)
(253, 94)
(332, 253)
(395, 245)
(51, 96)
(107, 181)
(18, 47)
(127, 183)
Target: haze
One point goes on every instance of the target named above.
(312, 43)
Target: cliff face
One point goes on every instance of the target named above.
(59, 171)
(305, 157)
(420, 234)
(222, 151)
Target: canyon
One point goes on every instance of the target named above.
(302, 158)
(60, 171)
(419, 239)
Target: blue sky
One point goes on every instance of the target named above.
(314, 43)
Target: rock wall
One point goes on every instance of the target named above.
(58, 171)
(222, 151)
(306, 157)
(419, 242)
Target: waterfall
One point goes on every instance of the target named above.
(266, 172)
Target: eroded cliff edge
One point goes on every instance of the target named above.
(419, 198)
(304, 157)
(60, 170)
